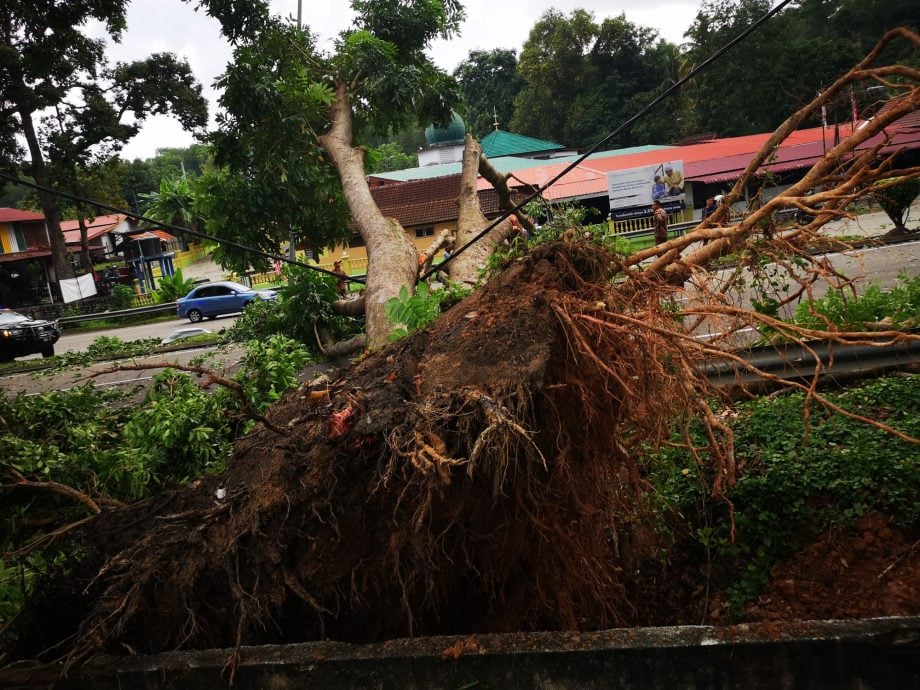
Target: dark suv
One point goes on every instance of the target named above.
(21, 335)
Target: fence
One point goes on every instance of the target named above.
(196, 253)
(639, 224)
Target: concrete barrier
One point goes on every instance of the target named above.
(873, 654)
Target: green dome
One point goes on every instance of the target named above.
(453, 133)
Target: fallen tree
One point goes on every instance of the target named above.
(484, 474)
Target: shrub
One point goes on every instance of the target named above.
(896, 197)
(303, 305)
(122, 297)
(790, 489)
(171, 288)
(899, 307)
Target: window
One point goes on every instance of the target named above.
(424, 232)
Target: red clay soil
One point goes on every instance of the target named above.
(867, 571)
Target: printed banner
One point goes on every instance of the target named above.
(639, 187)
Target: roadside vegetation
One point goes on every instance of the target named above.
(65, 455)
(798, 475)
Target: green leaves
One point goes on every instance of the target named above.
(105, 445)
(171, 288)
(413, 312)
(898, 307)
(788, 490)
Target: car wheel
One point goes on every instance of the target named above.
(4, 358)
(195, 315)
(48, 351)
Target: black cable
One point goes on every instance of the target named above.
(664, 94)
(174, 228)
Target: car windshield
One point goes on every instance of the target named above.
(8, 318)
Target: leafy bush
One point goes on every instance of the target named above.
(171, 288)
(789, 490)
(122, 297)
(898, 307)
(413, 312)
(895, 198)
(303, 304)
(104, 445)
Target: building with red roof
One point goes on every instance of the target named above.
(710, 167)
(25, 258)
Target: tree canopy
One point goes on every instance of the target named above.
(71, 107)
(489, 83)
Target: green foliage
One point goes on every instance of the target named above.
(790, 487)
(122, 297)
(489, 83)
(578, 74)
(413, 312)
(303, 305)
(899, 307)
(895, 198)
(388, 157)
(171, 288)
(104, 444)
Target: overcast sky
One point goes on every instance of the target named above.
(173, 26)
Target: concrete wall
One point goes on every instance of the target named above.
(877, 654)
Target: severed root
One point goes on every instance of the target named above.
(429, 453)
(501, 432)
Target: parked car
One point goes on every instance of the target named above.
(213, 299)
(21, 335)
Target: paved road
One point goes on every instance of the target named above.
(78, 342)
(224, 361)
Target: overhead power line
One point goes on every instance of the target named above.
(632, 120)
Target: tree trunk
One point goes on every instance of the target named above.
(59, 255)
(391, 256)
(471, 221)
(85, 259)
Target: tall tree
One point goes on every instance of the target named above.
(489, 83)
(290, 110)
(578, 75)
(68, 104)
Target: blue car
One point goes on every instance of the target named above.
(213, 299)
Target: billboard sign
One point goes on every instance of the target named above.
(631, 192)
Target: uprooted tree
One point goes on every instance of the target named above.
(483, 474)
(289, 141)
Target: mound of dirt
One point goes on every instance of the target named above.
(475, 477)
(868, 571)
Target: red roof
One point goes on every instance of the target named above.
(100, 225)
(718, 160)
(425, 202)
(28, 254)
(15, 215)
